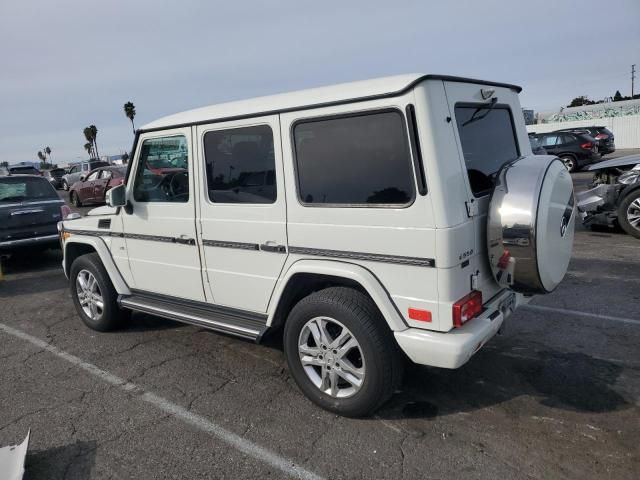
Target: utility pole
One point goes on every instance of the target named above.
(633, 76)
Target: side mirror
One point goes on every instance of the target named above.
(116, 197)
(82, 177)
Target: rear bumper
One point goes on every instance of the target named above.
(454, 348)
(28, 242)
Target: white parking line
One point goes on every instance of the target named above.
(577, 313)
(236, 441)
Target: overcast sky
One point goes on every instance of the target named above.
(68, 64)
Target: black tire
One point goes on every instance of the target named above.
(623, 212)
(381, 355)
(65, 186)
(75, 200)
(112, 316)
(570, 163)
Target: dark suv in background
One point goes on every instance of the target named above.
(574, 149)
(602, 135)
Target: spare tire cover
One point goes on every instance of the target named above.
(531, 224)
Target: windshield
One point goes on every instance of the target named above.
(27, 170)
(535, 143)
(488, 142)
(18, 189)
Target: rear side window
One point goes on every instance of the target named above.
(359, 160)
(17, 189)
(488, 142)
(240, 165)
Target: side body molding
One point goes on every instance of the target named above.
(351, 271)
(99, 245)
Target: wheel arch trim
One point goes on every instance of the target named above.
(100, 247)
(349, 271)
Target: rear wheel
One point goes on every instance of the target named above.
(93, 294)
(629, 213)
(570, 163)
(75, 199)
(341, 352)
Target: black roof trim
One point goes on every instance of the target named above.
(444, 78)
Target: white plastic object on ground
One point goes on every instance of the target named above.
(12, 460)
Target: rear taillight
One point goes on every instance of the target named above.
(467, 308)
(601, 136)
(587, 146)
(64, 211)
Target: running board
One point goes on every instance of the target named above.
(236, 322)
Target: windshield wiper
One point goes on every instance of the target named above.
(475, 117)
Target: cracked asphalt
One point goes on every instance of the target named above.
(556, 396)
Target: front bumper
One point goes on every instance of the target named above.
(29, 242)
(454, 348)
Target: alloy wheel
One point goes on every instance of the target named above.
(633, 214)
(331, 357)
(568, 163)
(89, 295)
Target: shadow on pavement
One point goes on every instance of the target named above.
(75, 460)
(567, 381)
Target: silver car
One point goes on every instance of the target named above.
(75, 173)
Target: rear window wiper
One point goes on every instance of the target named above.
(475, 116)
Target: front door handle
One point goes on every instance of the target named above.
(184, 241)
(270, 247)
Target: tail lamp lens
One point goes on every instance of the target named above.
(467, 308)
(587, 146)
(64, 211)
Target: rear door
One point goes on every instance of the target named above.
(87, 186)
(242, 217)
(101, 184)
(490, 132)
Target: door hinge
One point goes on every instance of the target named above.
(472, 208)
(475, 281)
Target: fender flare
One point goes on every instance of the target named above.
(101, 248)
(351, 271)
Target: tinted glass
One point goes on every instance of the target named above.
(92, 176)
(550, 140)
(356, 160)
(16, 189)
(24, 170)
(157, 180)
(106, 174)
(240, 165)
(488, 142)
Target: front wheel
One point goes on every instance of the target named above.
(341, 352)
(93, 294)
(629, 213)
(570, 163)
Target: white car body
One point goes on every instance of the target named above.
(242, 258)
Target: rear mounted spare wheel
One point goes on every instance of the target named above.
(530, 224)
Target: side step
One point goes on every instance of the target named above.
(236, 322)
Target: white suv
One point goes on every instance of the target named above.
(364, 220)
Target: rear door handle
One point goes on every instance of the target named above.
(184, 241)
(270, 247)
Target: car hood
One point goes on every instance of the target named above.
(616, 162)
(104, 210)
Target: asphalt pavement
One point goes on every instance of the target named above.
(557, 395)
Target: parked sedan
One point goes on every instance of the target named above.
(23, 170)
(94, 187)
(76, 173)
(574, 149)
(30, 209)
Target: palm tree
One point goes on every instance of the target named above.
(47, 150)
(88, 134)
(130, 112)
(41, 156)
(94, 136)
(88, 147)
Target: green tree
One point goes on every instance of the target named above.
(94, 136)
(47, 151)
(130, 112)
(618, 96)
(89, 148)
(580, 101)
(4, 164)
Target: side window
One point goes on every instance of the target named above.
(158, 179)
(240, 165)
(73, 170)
(85, 167)
(105, 174)
(361, 160)
(550, 140)
(93, 176)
